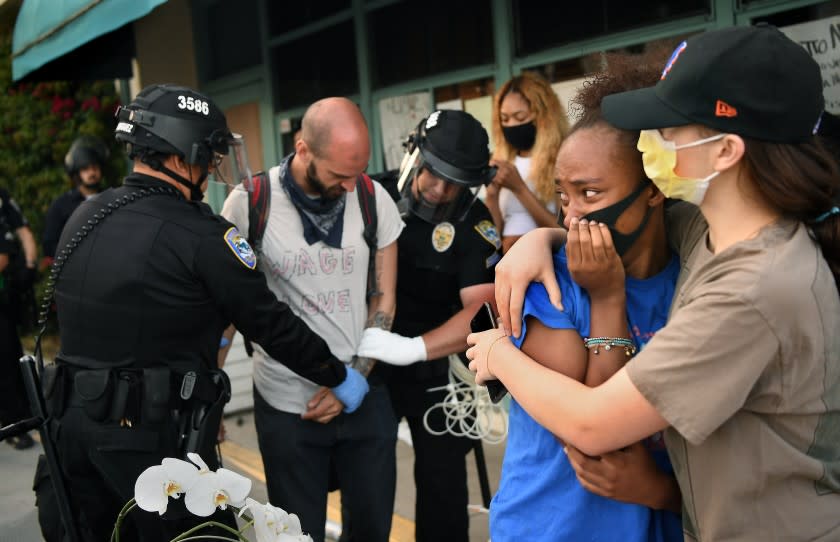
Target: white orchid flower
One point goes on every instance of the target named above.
(215, 489)
(156, 484)
(273, 524)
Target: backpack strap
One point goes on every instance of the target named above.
(259, 202)
(367, 203)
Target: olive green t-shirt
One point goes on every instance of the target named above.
(747, 372)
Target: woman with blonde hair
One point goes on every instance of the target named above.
(529, 124)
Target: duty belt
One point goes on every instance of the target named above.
(128, 395)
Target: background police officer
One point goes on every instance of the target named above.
(84, 163)
(17, 273)
(151, 280)
(446, 256)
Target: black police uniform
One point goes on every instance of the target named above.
(13, 404)
(57, 216)
(153, 285)
(430, 277)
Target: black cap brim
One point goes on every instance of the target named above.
(640, 109)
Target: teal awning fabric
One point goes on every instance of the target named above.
(48, 29)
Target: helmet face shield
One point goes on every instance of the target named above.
(229, 170)
(436, 198)
(231, 167)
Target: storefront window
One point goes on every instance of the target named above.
(411, 40)
(284, 17)
(543, 25)
(232, 21)
(312, 67)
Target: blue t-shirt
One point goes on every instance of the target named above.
(539, 497)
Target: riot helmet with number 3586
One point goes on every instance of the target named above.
(168, 120)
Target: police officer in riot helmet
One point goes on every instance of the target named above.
(84, 163)
(447, 253)
(444, 173)
(147, 278)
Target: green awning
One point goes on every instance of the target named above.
(47, 30)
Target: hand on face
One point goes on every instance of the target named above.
(480, 349)
(593, 262)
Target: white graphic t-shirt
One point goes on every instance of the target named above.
(323, 285)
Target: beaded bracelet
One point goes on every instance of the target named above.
(609, 342)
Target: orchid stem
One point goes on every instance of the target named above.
(186, 535)
(129, 506)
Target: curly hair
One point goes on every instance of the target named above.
(622, 72)
(552, 126)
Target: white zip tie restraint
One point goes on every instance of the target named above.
(467, 408)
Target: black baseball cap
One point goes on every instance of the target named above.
(751, 81)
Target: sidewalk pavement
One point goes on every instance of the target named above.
(18, 515)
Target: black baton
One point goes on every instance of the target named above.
(39, 415)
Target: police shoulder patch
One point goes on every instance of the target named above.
(488, 231)
(241, 249)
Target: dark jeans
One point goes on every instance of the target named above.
(361, 449)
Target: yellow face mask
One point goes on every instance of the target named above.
(659, 157)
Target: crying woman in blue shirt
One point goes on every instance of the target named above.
(617, 275)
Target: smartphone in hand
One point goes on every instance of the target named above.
(483, 320)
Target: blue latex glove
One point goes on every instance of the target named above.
(352, 391)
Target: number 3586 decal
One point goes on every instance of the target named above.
(192, 104)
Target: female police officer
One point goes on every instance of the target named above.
(445, 272)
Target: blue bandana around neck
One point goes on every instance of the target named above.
(323, 220)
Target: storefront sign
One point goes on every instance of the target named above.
(398, 116)
(821, 38)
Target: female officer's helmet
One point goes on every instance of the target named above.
(169, 119)
(452, 146)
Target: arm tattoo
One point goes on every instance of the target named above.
(381, 320)
(363, 365)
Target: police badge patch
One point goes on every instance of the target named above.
(241, 248)
(442, 236)
(488, 231)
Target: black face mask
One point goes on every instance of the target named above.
(609, 215)
(521, 136)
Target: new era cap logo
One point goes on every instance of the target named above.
(723, 109)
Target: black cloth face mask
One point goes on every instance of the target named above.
(521, 136)
(609, 215)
